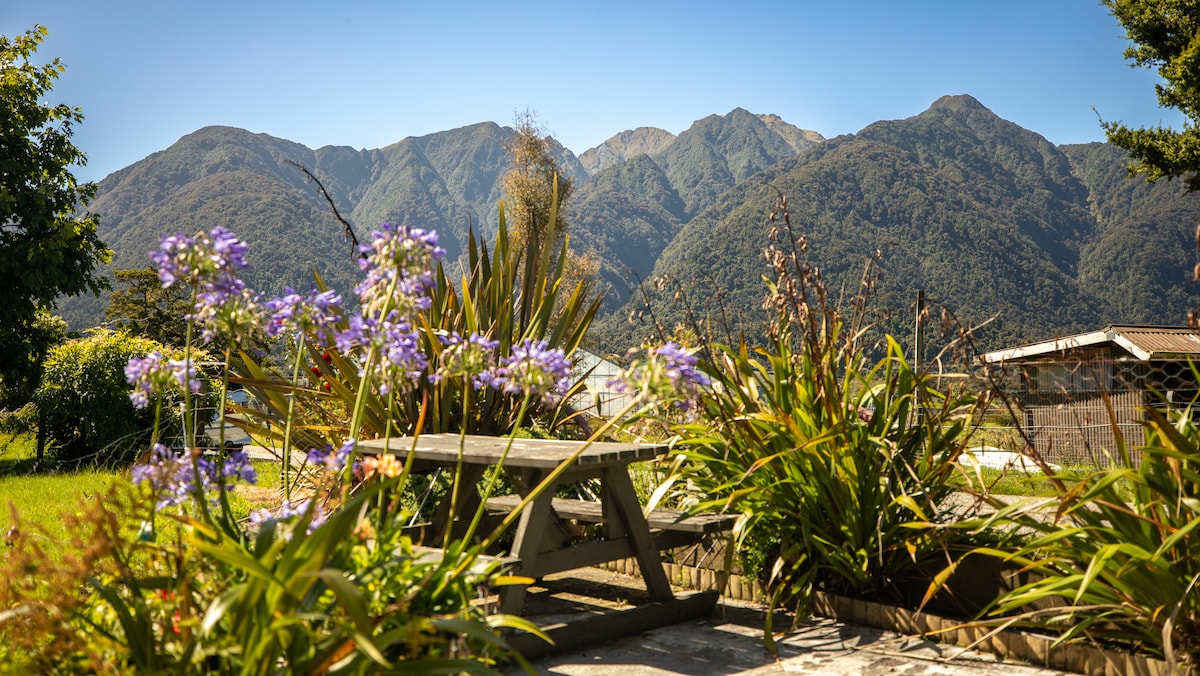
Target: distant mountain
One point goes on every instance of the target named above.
(624, 146)
(1136, 265)
(988, 218)
(984, 216)
(717, 152)
(449, 181)
(629, 211)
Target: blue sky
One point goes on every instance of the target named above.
(367, 74)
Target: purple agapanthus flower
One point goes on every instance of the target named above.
(209, 263)
(330, 460)
(237, 466)
(154, 373)
(399, 264)
(229, 307)
(174, 478)
(401, 360)
(668, 374)
(472, 357)
(535, 369)
(316, 314)
(197, 261)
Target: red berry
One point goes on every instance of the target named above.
(327, 357)
(327, 387)
(316, 370)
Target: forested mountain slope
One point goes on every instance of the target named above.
(987, 218)
(449, 181)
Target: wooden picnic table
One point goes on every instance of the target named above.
(540, 547)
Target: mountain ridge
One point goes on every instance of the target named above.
(987, 216)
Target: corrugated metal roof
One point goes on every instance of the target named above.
(1154, 342)
(1143, 342)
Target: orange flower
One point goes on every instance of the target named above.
(389, 466)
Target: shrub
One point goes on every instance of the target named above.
(839, 491)
(1120, 562)
(838, 467)
(83, 402)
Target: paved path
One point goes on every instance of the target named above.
(733, 645)
(730, 642)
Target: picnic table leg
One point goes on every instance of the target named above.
(526, 545)
(619, 489)
(465, 505)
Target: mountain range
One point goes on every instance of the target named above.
(988, 218)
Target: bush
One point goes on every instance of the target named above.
(837, 463)
(83, 401)
(1120, 563)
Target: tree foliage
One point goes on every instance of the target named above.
(535, 190)
(145, 308)
(1166, 37)
(45, 250)
(84, 403)
(530, 203)
(22, 375)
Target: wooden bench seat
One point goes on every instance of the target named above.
(659, 519)
(481, 565)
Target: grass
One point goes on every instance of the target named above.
(41, 497)
(1027, 484)
(1005, 482)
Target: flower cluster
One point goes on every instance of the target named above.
(206, 259)
(387, 466)
(209, 263)
(316, 314)
(472, 357)
(401, 360)
(666, 374)
(154, 373)
(399, 265)
(173, 478)
(330, 460)
(535, 369)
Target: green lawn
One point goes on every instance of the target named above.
(42, 497)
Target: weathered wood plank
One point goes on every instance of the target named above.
(615, 624)
(591, 512)
(446, 449)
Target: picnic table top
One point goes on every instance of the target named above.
(533, 453)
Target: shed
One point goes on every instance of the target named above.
(599, 399)
(1064, 387)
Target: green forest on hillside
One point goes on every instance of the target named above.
(987, 218)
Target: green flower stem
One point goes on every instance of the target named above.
(230, 521)
(360, 404)
(287, 430)
(189, 432)
(462, 440)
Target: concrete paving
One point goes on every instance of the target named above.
(729, 642)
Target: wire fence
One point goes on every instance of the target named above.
(1080, 410)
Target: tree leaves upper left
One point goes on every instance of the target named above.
(45, 249)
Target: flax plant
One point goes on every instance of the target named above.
(507, 294)
(1118, 562)
(838, 467)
